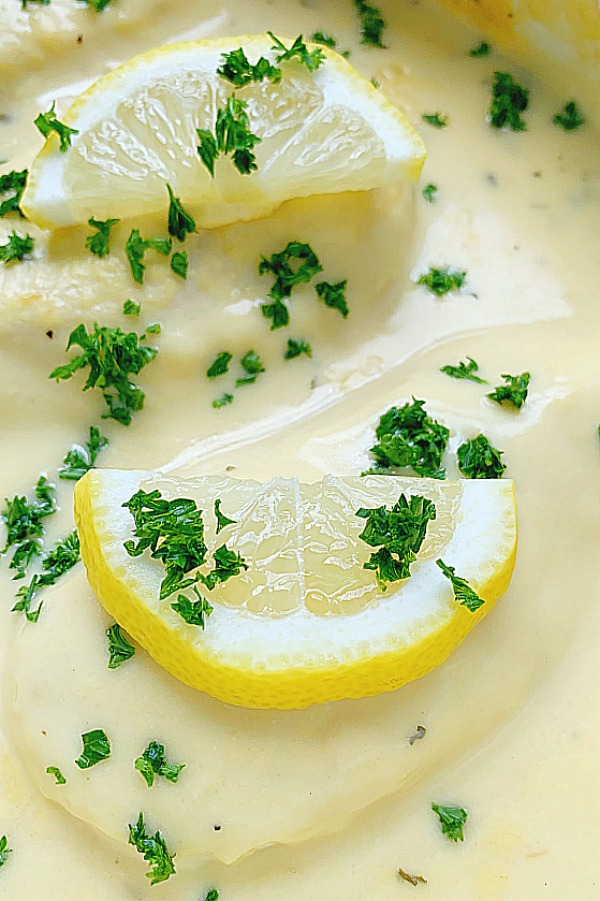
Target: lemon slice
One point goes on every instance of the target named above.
(322, 132)
(306, 623)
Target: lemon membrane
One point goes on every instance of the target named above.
(264, 644)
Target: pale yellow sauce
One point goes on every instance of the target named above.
(338, 793)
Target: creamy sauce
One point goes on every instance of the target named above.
(330, 801)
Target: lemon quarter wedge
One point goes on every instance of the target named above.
(321, 132)
(306, 623)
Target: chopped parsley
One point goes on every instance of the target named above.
(16, 248)
(58, 776)
(99, 243)
(179, 263)
(193, 612)
(222, 520)
(372, 23)
(236, 68)
(295, 265)
(135, 251)
(399, 532)
(227, 565)
(334, 296)
(12, 183)
(154, 850)
(251, 363)
(438, 120)
(463, 593)
(154, 328)
(442, 281)
(81, 458)
(570, 117)
(464, 370)
(429, 192)
(112, 356)
(298, 52)
(220, 364)
(5, 850)
(509, 102)
(154, 763)
(319, 37)
(212, 895)
(24, 524)
(131, 308)
(98, 5)
(232, 137)
(514, 391)
(96, 747)
(119, 649)
(223, 401)
(481, 49)
(409, 437)
(296, 349)
(180, 222)
(63, 557)
(48, 123)
(452, 820)
(477, 459)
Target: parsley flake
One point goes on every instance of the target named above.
(12, 183)
(464, 370)
(4, 850)
(154, 328)
(193, 612)
(334, 296)
(296, 349)
(16, 248)
(47, 123)
(509, 102)
(24, 524)
(372, 23)
(220, 364)
(179, 264)
(477, 459)
(99, 243)
(212, 895)
(81, 458)
(180, 223)
(481, 49)
(320, 37)
(154, 850)
(222, 520)
(452, 820)
(251, 362)
(227, 565)
(135, 251)
(96, 747)
(400, 531)
(463, 593)
(236, 68)
(58, 776)
(119, 649)
(299, 52)
(409, 437)
(570, 117)
(442, 281)
(438, 120)
(223, 401)
(514, 391)
(98, 5)
(295, 265)
(232, 137)
(429, 193)
(111, 356)
(131, 308)
(63, 557)
(153, 762)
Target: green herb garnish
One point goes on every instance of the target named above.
(222, 520)
(452, 820)
(5, 850)
(400, 531)
(63, 557)
(299, 52)
(464, 370)
(54, 771)
(119, 649)
(222, 401)
(463, 593)
(48, 123)
(99, 243)
(514, 391)
(96, 747)
(179, 264)
(429, 193)
(319, 37)
(154, 328)
(334, 296)
(509, 101)
(24, 524)
(131, 308)
(236, 68)
(481, 49)
(193, 612)
(477, 459)
(98, 5)
(220, 364)
(12, 183)
(253, 366)
(212, 895)
(295, 265)
(570, 117)
(438, 120)
(442, 281)
(409, 437)
(135, 251)
(296, 348)
(16, 248)
(372, 23)
(227, 565)
(180, 223)
(154, 763)
(232, 137)
(154, 849)
(111, 356)
(81, 458)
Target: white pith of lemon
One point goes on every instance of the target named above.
(306, 623)
(322, 132)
